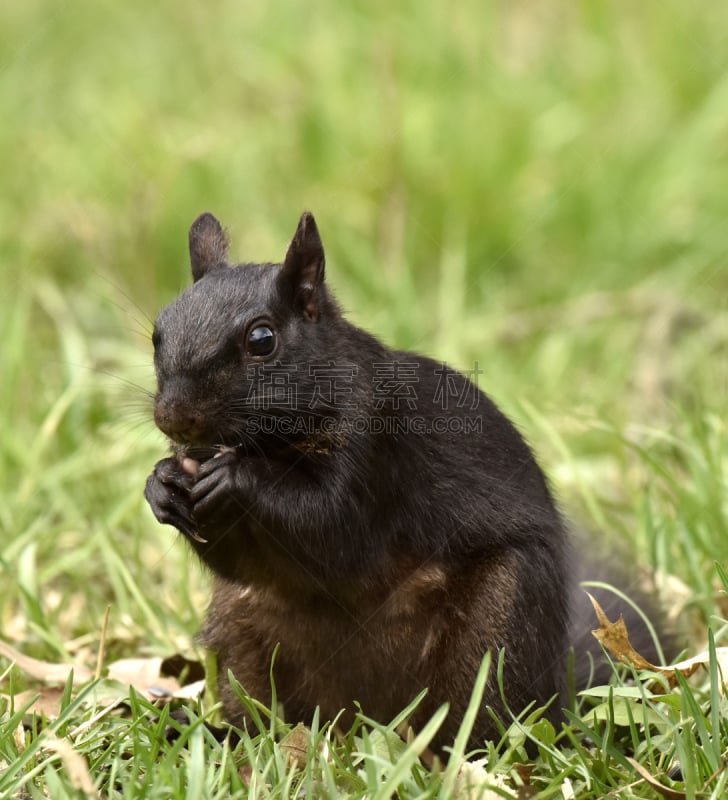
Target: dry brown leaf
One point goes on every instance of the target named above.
(147, 676)
(524, 772)
(689, 665)
(190, 691)
(614, 637)
(246, 774)
(74, 763)
(432, 761)
(105, 710)
(137, 672)
(665, 791)
(297, 746)
(19, 737)
(47, 700)
(44, 670)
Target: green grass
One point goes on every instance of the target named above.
(538, 188)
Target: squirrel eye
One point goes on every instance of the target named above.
(261, 341)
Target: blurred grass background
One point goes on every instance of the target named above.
(538, 187)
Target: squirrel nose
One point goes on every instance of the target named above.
(178, 420)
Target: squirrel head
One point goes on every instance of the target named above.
(237, 343)
(302, 272)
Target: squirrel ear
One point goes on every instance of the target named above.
(302, 273)
(208, 245)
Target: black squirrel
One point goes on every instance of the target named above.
(368, 510)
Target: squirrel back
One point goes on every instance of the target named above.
(369, 511)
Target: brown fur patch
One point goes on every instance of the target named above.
(500, 589)
(413, 588)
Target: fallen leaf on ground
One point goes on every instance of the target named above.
(614, 637)
(147, 675)
(151, 677)
(45, 700)
(74, 763)
(136, 672)
(296, 746)
(45, 670)
(246, 774)
(665, 791)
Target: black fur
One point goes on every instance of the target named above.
(386, 526)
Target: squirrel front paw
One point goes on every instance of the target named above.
(220, 494)
(168, 493)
